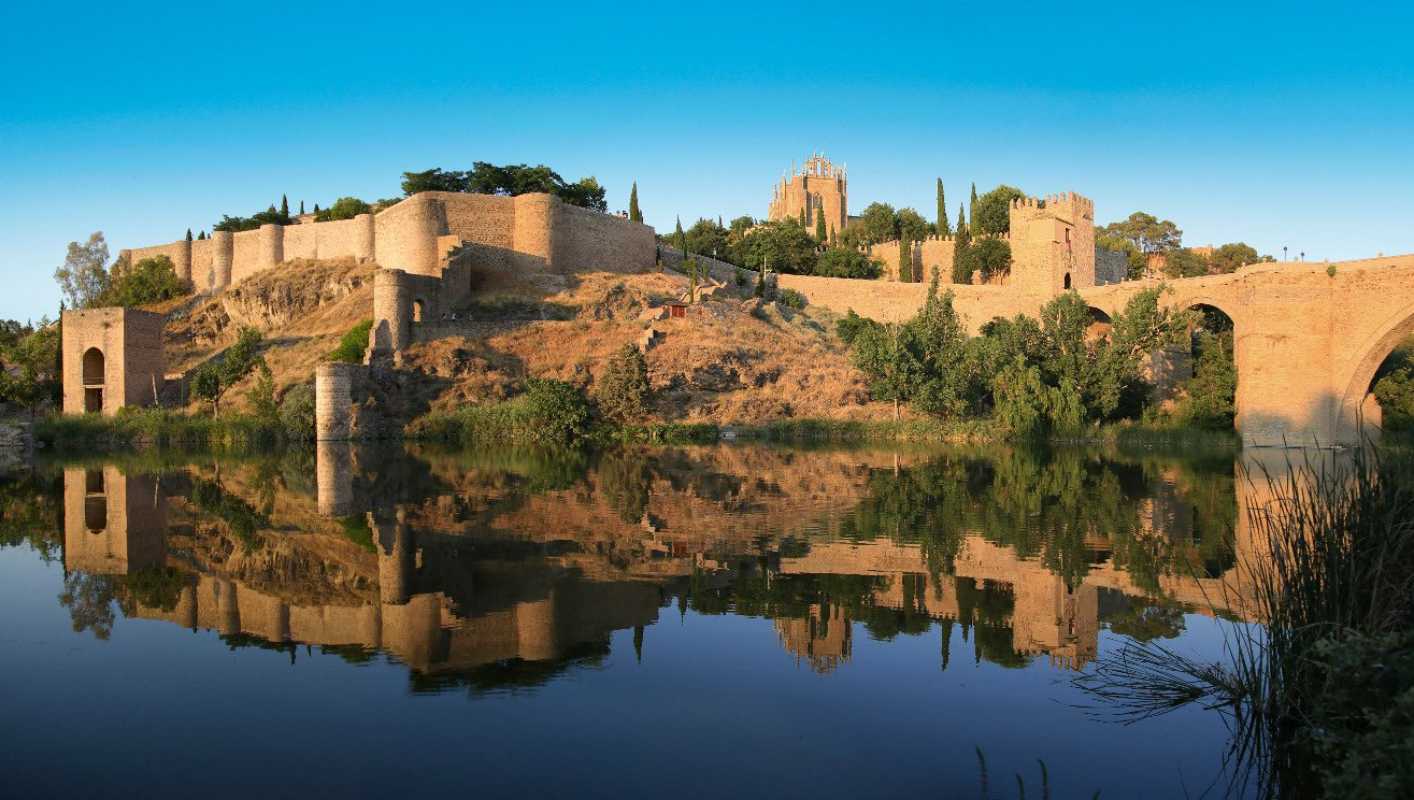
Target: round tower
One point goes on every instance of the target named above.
(392, 314)
(223, 251)
(333, 401)
(364, 245)
(272, 245)
(183, 261)
(533, 237)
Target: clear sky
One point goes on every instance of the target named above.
(1277, 124)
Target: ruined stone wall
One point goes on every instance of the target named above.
(334, 385)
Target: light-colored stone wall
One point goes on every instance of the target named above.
(1052, 243)
(818, 184)
(333, 400)
(588, 241)
(133, 363)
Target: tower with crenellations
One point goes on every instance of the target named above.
(818, 184)
(1052, 244)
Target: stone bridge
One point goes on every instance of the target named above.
(1308, 336)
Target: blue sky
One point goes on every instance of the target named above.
(1276, 124)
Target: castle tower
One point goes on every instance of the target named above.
(817, 184)
(1052, 244)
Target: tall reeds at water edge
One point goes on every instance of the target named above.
(1320, 692)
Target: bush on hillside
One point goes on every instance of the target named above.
(623, 390)
(150, 280)
(846, 262)
(353, 345)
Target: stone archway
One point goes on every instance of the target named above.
(94, 380)
(1353, 421)
(419, 310)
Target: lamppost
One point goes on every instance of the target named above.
(1283, 252)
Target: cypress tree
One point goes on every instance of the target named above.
(316, 208)
(634, 213)
(943, 228)
(972, 206)
(680, 238)
(188, 234)
(202, 236)
(301, 208)
(960, 261)
(820, 225)
(905, 260)
(284, 207)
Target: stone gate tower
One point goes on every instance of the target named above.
(818, 184)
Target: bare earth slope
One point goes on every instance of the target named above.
(730, 359)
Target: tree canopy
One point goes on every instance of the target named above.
(991, 214)
(343, 208)
(510, 179)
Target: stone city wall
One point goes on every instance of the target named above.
(530, 232)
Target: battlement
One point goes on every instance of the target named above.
(1065, 205)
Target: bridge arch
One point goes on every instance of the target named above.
(1391, 332)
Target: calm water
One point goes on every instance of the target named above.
(713, 621)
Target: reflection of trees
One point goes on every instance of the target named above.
(243, 519)
(30, 512)
(1061, 507)
(90, 600)
(624, 479)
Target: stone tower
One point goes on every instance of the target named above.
(1052, 244)
(817, 184)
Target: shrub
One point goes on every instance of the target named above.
(353, 345)
(791, 298)
(623, 390)
(550, 412)
(297, 413)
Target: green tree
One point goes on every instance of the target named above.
(634, 213)
(820, 232)
(844, 262)
(877, 224)
(972, 205)
(1234, 255)
(887, 357)
(987, 256)
(911, 225)
(285, 206)
(83, 278)
(991, 213)
(343, 208)
(622, 392)
(150, 280)
(942, 227)
(962, 241)
(782, 245)
(1146, 232)
(188, 234)
(680, 238)
(212, 380)
(1184, 263)
(905, 261)
(707, 237)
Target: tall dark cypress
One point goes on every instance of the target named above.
(943, 228)
(188, 234)
(820, 225)
(634, 213)
(284, 207)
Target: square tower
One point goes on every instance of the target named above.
(817, 185)
(1052, 244)
(112, 358)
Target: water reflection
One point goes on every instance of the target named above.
(504, 568)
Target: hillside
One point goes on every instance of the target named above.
(730, 359)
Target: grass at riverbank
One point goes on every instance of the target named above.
(132, 428)
(1322, 693)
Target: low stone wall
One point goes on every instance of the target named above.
(888, 301)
